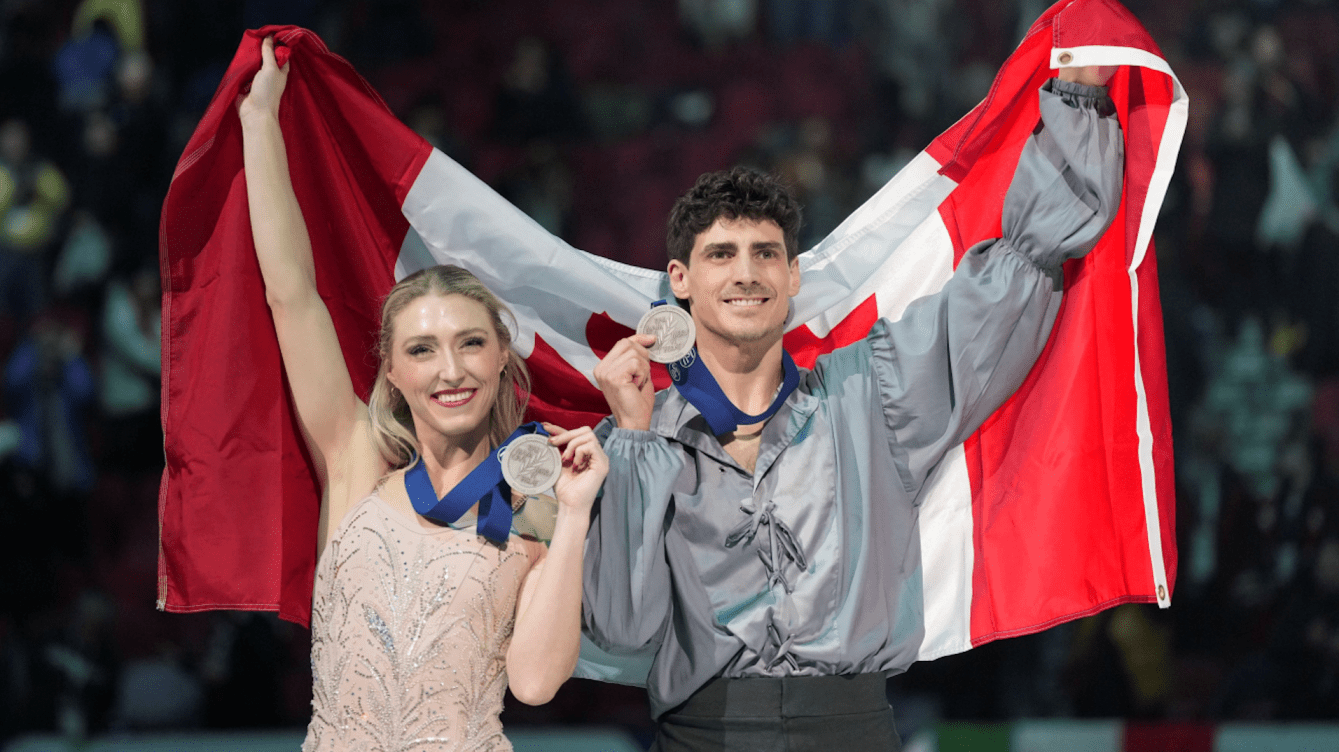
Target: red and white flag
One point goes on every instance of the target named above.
(1059, 506)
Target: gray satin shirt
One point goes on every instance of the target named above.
(811, 564)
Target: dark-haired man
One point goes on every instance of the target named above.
(760, 531)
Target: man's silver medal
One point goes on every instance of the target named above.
(674, 331)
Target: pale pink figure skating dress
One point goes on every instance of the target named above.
(410, 628)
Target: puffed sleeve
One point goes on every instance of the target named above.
(1067, 185)
(626, 587)
(955, 356)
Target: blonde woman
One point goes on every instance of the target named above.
(419, 624)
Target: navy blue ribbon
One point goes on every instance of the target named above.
(695, 382)
(484, 486)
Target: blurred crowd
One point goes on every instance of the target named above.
(592, 116)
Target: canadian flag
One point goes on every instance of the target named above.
(1059, 506)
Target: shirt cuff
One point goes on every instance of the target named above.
(1081, 96)
(633, 435)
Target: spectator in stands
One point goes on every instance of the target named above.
(83, 659)
(33, 196)
(537, 99)
(825, 21)
(716, 23)
(140, 116)
(128, 387)
(84, 260)
(83, 68)
(810, 168)
(48, 389)
(1306, 640)
(123, 19)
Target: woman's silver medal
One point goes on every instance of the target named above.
(530, 464)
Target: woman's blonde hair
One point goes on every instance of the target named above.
(392, 423)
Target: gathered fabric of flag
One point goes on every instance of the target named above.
(1059, 506)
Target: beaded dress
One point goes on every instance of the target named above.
(410, 628)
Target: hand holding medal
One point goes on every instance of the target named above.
(666, 334)
(673, 329)
(530, 464)
(583, 466)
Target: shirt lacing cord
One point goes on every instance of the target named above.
(780, 541)
(783, 647)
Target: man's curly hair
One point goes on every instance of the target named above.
(737, 193)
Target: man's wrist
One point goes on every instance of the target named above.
(633, 423)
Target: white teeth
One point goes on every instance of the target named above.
(453, 399)
(751, 302)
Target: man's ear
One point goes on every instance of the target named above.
(794, 277)
(678, 278)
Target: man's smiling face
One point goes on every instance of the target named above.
(738, 281)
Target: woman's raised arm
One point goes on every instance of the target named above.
(547, 636)
(327, 405)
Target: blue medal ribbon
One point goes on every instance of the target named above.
(694, 381)
(484, 486)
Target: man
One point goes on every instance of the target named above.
(759, 532)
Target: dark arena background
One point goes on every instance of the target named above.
(592, 116)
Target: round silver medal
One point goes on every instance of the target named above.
(530, 464)
(674, 330)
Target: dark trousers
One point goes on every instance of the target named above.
(794, 714)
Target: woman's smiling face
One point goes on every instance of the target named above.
(446, 359)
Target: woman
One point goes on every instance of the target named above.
(412, 619)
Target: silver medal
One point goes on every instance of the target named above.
(674, 331)
(530, 464)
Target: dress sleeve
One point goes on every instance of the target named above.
(626, 588)
(955, 356)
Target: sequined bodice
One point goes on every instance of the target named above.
(410, 628)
